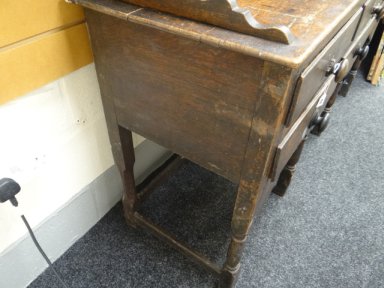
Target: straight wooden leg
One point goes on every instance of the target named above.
(129, 195)
(288, 172)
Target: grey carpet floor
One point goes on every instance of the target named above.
(328, 231)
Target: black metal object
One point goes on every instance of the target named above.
(8, 190)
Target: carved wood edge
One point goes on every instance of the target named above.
(277, 33)
(223, 13)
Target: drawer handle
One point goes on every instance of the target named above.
(379, 11)
(340, 70)
(319, 123)
(362, 52)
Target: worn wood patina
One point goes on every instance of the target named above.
(234, 86)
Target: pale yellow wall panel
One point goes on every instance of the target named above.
(29, 66)
(23, 19)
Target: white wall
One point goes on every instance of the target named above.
(54, 143)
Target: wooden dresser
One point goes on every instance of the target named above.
(234, 86)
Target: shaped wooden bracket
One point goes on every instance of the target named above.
(223, 13)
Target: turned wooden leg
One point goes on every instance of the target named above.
(244, 210)
(230, 272)
(288, 172)
(129, 195)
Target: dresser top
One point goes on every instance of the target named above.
(308, 24)
(304, 18)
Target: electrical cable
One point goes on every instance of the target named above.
(42, 251)
(8, 190)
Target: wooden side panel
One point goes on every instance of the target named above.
(29, 66)
(23, 19)
(194, 99)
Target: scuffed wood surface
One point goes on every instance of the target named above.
(312, 30)
(268, 19)
(218, 97)
(223, 13)
(197, 112)
(301, 16)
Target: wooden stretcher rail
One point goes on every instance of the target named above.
(163, 235)
(158, 176)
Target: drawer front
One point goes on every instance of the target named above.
(368, 14)
(317, 72)
(364, 36)
(299, 129)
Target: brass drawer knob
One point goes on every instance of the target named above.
(340, 70)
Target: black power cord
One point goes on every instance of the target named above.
(8, 190)
(42, 251)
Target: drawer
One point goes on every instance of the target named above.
(317, 72)
(299, 129)
(368, 14)
(365, 36)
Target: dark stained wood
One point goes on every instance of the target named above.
(299, 130)
(286, 175)
(227, 14)
(351, 76)
(186, 110)
(129, 195)
(359, 51)
(251, 193)
(369, 9)
(238, 105)
(316, 29)
(158, 176)
(315, 75)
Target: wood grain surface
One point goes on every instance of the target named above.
(220, 98)
(197, 112)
